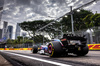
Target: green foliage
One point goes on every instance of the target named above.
(95, 19)
(66, 22)
(79, 24)
(19, 38)
(29, 41)
(9, 41)
(87, 21)
(32, 26)
(92, 20)
(39, 39)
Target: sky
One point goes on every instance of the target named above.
(17, 11)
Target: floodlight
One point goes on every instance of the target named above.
(66, 16)
(78, 10)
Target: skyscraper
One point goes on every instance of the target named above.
(10, 32)
(4, 33)
(18, 30)
(0, 33)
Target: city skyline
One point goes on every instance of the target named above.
(9, 31)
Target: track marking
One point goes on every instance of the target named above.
(38, 59)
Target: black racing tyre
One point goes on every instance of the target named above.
(55, 49)
(34, 49)
(84, 51)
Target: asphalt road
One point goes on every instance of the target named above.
(26, 58)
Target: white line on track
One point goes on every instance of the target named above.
(38, 59)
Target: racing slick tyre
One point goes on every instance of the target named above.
(34, 49)
(55, 49)
(83, 51)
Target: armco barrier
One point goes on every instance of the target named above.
(91, 47)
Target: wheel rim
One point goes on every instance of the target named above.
(50, 49)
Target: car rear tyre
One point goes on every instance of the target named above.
(83, 51)
(34, 49)
(55, 49)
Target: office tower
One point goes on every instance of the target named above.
(1, 10)
(18, 30)
(10, 32)
(0, 33)
(4, 33)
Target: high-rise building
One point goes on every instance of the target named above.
(10, 32)
(0, 33)
(18, 30)
(4, 33)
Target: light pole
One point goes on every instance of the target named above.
(61, 31)
(72, 19)
(43, 37)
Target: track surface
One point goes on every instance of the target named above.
(26, 58)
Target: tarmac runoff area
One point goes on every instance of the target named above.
(4, 62)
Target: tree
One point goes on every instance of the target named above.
(29, 41)
(19, 38)
(9, 41)
(88, 21)
(32, 26)
(39, 39)
(79, 24)
(95, 19)
(92, 20)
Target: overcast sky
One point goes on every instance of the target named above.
(17, 11)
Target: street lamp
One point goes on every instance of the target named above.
(72, 19)
(78, 10)
(66, 16)
(43, 37)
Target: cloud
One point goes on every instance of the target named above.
(22, 10)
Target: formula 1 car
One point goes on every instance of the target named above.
(68, 44)
(42, 49)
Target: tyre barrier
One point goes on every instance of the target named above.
(91, 47)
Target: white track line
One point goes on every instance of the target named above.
(38, 59)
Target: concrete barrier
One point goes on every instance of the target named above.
(15, 48)
(94, 46)
(91, 47)
(1, 48)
